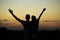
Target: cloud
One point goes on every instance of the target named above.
(51, 20)
(4, 20)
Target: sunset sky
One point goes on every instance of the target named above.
(32, 7)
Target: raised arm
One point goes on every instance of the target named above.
(41, 14)
(11, 12)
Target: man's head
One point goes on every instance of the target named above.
(33, 18)
(27, 17)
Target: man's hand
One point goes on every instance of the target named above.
(44, 9)
(11, 11)
(41, 13)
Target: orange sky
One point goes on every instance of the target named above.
(32, 7)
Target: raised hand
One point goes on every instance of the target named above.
(44, 9)
(11, 11)
(41, 13)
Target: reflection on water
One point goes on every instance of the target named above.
(16, 25)
(10, 24)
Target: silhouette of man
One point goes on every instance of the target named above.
(35, 23)
(30, 27)
(26, 24)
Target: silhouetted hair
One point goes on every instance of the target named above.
(33, 18)
(27, 17)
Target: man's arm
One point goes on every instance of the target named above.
(11, 11)
(41, 14)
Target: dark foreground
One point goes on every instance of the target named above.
(18, 35)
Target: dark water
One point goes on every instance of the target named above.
(19, 35)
